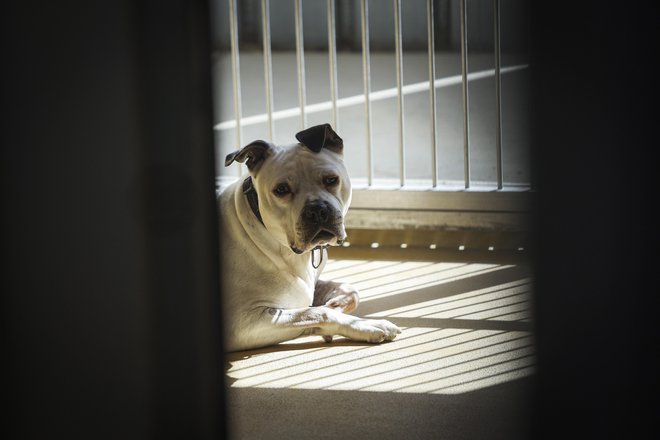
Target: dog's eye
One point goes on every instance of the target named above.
(331, 180)
(282, 189)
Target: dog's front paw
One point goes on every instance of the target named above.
(345, 302)
(339, 296)
(374, 330)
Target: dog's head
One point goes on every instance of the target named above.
(303, 189)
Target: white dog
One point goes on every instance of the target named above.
(274, 228)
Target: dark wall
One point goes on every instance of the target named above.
(110, 297)
(594, 133)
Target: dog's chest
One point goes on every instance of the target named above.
(298, 293)
(299, 289)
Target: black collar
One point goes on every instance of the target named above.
(252, 198)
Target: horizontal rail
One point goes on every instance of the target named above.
(416, 254)
(437, 220)
(482, 201)
(434, 245)
(441, 210)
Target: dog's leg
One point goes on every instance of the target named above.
(339, 296)
(326, 321)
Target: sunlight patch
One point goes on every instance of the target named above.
(492, 345)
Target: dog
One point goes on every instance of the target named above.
(275, 226)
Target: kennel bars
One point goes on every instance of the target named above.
(368, 96)
(501, 207)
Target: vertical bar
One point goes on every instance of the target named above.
(236, 74)
(300, 58)
(332, 61)
(268, 65)
(431, 47)
(498, 92)
(466, 112)
(399, 86)
(366, 79)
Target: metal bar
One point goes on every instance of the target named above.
(236, 74)
(332, 61)
(268, 66)
(466, 112)
(366, 79)
(300, 58)
(399, 85)
(434, 134)
(498, 91)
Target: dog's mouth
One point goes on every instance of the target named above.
(323, 237)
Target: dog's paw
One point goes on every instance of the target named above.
(374, 330)
(343, 298)
(344, 302)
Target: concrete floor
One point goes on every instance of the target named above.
(461, 369)
(351, 122)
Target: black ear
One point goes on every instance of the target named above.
(254, 153)
(321, 136)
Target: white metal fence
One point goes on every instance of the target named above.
(493, 196)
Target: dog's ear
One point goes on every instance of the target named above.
(321, 136)
(254, 153)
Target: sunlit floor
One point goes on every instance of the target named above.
(460, 369)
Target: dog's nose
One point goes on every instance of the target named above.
(317, 212)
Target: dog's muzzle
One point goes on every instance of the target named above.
(321, 223)
(316, 213)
